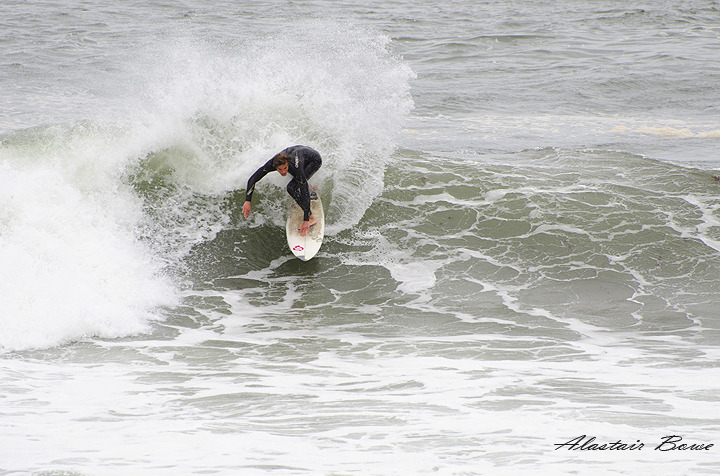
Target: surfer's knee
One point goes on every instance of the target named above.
(292, 187)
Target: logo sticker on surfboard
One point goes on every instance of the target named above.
(298, 248)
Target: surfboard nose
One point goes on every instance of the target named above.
(305, 247)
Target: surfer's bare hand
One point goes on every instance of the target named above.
(246, 209)
(304, 228)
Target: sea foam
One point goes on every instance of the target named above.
(70, 263)
(97, 211)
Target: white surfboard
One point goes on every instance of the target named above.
(305, 247)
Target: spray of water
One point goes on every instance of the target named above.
(94, 213)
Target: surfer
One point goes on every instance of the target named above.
(301, 162)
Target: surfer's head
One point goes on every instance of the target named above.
(281, 162)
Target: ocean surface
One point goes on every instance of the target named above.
(521, 270)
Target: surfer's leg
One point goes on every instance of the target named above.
(312, 164)
(293, 188)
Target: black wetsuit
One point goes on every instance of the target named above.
(303, 163)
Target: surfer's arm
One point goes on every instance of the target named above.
(255, 178)
(303, 189)
(305, 201)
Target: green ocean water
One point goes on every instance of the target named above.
(522, 243)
